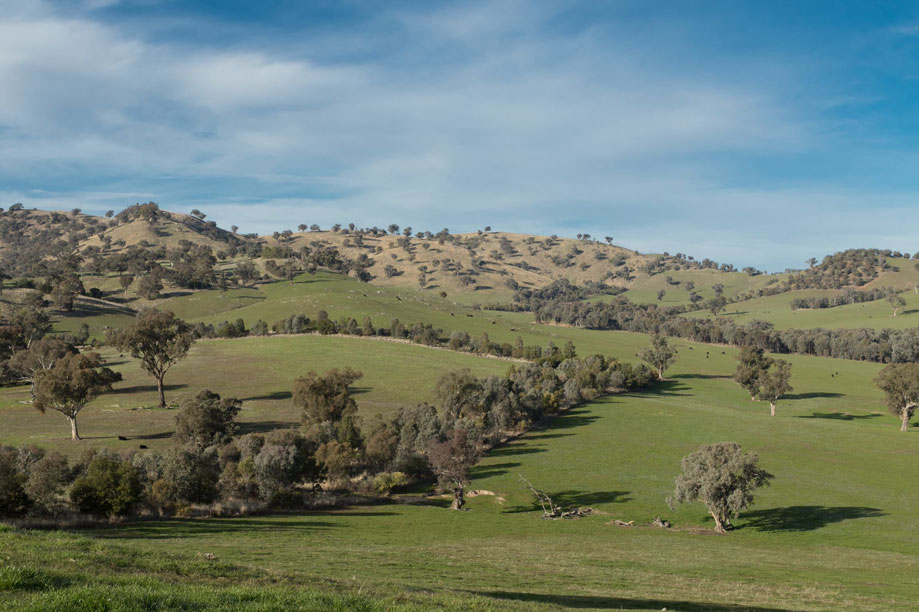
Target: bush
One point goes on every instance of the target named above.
(111, 486)
(206, 419)
(191, 475)
(283, 461)
(385, 482)
(46, 479)
(13, 498)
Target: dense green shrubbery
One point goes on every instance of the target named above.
(209, 463)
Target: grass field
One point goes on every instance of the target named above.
(833, 532)
(776, 309)
(259, 371)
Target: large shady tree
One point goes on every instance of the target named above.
(159, 339)
(659, 355)
(74, 381)
(723, 478)
(451, 459)
(900, 382)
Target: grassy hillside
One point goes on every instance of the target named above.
(777, 310)
(832, 532)
(259, 371)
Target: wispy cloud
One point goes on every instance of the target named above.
(483, 114)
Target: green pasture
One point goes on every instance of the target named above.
(833, 532)
(776, 309)
(260, 371)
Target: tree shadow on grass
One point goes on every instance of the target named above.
(494, 469)
(146, 389)
(265, 426)
(812, 395)
(839, 416)
(670, 387)
(156, 436)
(569, 420)
(517, 449)
(618, 603)
(273, 395)
(538, 435)
(570, 498)
(177, 528)
(803, 518)
(701, 376)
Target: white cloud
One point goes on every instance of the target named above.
(507, 125)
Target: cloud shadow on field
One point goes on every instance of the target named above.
(803, 518)
(839, 416)
(599, 602)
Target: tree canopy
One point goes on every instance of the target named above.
(159, 339)
(723, 478)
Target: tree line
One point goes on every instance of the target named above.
(864, 344)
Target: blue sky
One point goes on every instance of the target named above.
(758, 133)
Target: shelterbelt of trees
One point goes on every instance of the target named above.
(554, 304)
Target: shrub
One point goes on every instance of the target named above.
(13, 498)
(385, 482)
(206, 419)
(192, 474)
(110, 487)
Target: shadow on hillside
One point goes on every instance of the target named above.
(517, 449)
(701, 376)
(571, 419)
(146, 389)
(538, 435)
(265, 426)
(598, 602)
(157, 436)
(177, 528)
(839, 416)
(570, 498)
(274, 395)
(172, 294)
(494, 469)
(803, 518)
(663, 387)
(812, 395)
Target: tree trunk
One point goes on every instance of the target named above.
(74, 432)
(772, 408)
(159, 387)
(459, 499)
(904, 420)
(719, 525)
